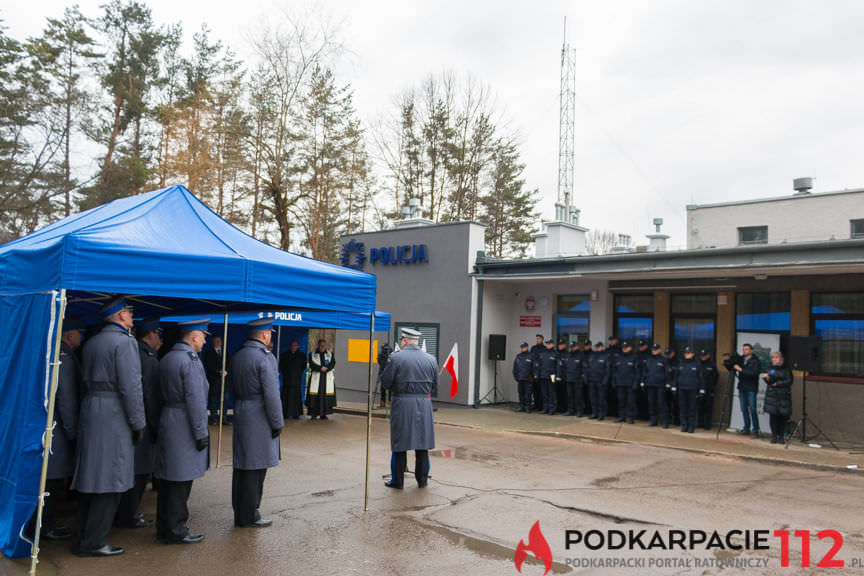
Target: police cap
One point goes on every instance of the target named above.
(114, 305)
(147, 324)
(261, 324)
(626, 344)
(656, 347)
(76, 323)
(704, 352)
(410, 333)
(668, 351)
(523, 345)
(687, 349)
(193, 325)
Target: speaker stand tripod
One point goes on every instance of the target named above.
(494, 390)
(802, 422)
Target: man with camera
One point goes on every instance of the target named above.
(748, 386)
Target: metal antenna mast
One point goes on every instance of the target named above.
(564, 211)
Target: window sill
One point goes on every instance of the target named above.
(835, 379)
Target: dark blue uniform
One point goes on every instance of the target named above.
(706, 401)
(625, 378)
(523, 371)
(561, 380)
(536, 388)
(672, 398)
(547, 371)
(689, 383)
(611, 394)
(655, 376)
(597, 374)
(574, 374)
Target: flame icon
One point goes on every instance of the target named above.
(538, 545)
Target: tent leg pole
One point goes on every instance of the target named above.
(369, 410)
(222, 393)
(49, 428)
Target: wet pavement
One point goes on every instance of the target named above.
(494, 474)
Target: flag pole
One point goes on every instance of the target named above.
(222, 393)
(49, 428)
(369, 410)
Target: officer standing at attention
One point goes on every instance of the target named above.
(598, 373)
(643, 353)
(709, 380)
(655, 378)
(109, 425)
(547, 372)
(258, 421)
(411, 376)
(536, 388)
(586, 388)
(183, 433)
(672, 397)
(573, 379)
(561, 376)
(625, 378)
(613, 349)
(61, 462)
(689, 385)
(149, 336)
(523, 367)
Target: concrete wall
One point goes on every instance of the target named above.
(439, 291)
(803, 218)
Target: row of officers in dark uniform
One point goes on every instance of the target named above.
(578, 381)
(123, 415)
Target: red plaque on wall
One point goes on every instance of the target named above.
(529, 321)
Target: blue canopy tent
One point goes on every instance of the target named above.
(173, 255)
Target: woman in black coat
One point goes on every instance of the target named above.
(778, 396)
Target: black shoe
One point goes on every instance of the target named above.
(570, 414)
(665, 426)
(392, 485)
(323, 417)
(56, 533)
(690, 430)
(579, 414)
(422, 484)
(592, 417)
(630, 421)
(601, 418)
(653, 423)
(619, 420)
(188, 539)
(141, 522)
(106, 550)
(684, 429)
(520, 409)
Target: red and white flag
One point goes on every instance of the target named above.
(451, 365)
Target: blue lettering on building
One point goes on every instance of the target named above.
(405, 254)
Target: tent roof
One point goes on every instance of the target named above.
(169, 244)
(303, 319)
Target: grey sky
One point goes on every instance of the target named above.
(678, 102)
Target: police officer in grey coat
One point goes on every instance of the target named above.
(258, 421)
(411, 376)
(149, 336)
(61, 462)
(110, 423)
(183, 433)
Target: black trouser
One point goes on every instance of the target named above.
(549, 395)
(247, 488)
(292, 403)
(598, 399)
(626, 402)
(127, 509)
(421, 467)
(657, 409)
(778, 426)
(525, 395)
(172, 510)
(560, 394)
(94, 518)
(537, 391)
(575, 401)
(687, 403)
(706, 410)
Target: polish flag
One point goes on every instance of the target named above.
(451, 366)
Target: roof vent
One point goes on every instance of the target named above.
(802, 185)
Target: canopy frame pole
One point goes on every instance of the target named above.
(369, 410)
(278, 342)
(49, 429)
(222, 393)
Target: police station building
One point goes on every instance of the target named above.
(768, 271)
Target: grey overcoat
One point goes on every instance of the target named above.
(257, 407)
(113, 406)
(411, 375)
(61, 462)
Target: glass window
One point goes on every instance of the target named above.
(574, 303)
(695, 332)
(753, 235)
(857, 228)
(838, 319)
(763, 311)
(634, 317)
(694, 304)
(634, 303)
(573, 319)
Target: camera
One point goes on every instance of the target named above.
(731, 359)
(384, 355)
